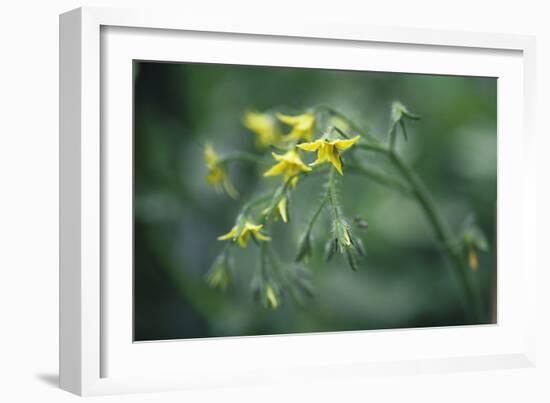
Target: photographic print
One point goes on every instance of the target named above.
(278, 200)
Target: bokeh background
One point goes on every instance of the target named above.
(404, 281)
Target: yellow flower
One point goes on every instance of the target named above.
(329, 151)
(217, 175)
(302, 126)
(289, 165)
(263, 125)
(243, 235)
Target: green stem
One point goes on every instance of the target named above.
(263, 261)
(253, 203)
(331, 192)
(317, 213)
(379, 178)
(350, 122)
(379, 148)
(440, 227)
(392, 136)
(441, 230)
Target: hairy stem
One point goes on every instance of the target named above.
(331, 192)
(317, 212)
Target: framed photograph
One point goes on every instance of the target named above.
(245, 204)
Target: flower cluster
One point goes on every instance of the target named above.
(288, 152)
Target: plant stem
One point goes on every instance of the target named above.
(441, 230)
(331, 192)
(252, 203)
(440, 227)
(351, 124)
(379, 148)
(379, 177)
(317, 212)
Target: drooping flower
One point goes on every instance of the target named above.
(329, 151)
(243, 234)
(302, 126)
(217, 174)
(289, 165)
(264, 126)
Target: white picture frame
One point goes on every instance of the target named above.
(96, 354)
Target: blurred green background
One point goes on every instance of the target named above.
(404, 281)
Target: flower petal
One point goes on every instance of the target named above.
(342, 145)
(210, 156)
(243, 238)
(230, 235)
(314, 146)
(276, 169)
(289, 120)
(261, 237)
(248, 226)
(334, 158)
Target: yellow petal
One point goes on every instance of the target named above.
(210, 156)
(230, 235)
(261, 237)
(304, 121)
(289, 120)
(342, 145)
(276, 169)
(216, 175)
(263, 126)
(314, 146)
(335, 160)
(248, 226)
(258, 122)
(322, 155)
(243, 238)
(298, 163)
(278, 157)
